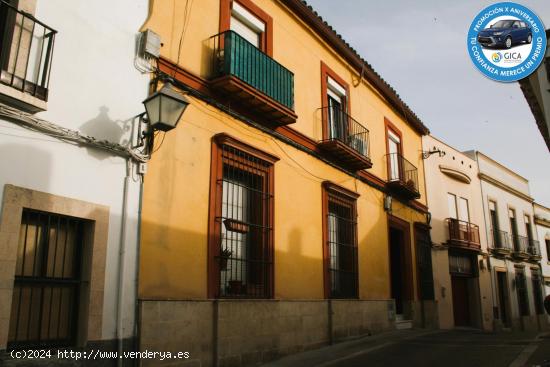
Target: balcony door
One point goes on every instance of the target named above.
(495, 228)
(394, 149)
(247, 25)
(514, 228)
(336, 95)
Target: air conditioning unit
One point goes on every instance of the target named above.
(358, 144)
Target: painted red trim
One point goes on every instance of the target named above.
(408, 286)
(325, 73)
(350, 198)
(215, 207)
(202, 85)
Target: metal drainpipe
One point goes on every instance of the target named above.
(120, 293)
(138, 253)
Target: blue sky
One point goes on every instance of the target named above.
(419, 47)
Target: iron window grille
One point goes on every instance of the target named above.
(26, 50)
(243, 249)
(47, 283)
(341, 244)
(521, 289)
(537, 292)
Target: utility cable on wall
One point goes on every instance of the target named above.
(34, 123)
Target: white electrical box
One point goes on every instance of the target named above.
(150, 43)
(142, 168)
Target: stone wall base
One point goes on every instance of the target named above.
(248, 333)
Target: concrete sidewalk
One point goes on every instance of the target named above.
(338, 353)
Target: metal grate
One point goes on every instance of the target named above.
(521, 289)
(403, 171)
(245, 252)
(343, 127)
(26, 50)
(537, 292)
(342, 246)
(47, 281)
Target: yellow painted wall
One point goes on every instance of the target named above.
(175, 203)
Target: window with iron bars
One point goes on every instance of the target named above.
(243, 229)
(44, 309)
(537, 291)
(521, 289)
(340, 249)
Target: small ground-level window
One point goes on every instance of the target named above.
(340, 248)
(44, 309)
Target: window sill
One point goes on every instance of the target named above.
(21, 100)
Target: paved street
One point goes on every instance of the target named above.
(421, 348)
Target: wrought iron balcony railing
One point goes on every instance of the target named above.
(500, 241)
(234, 56)
(26, 50)
(464, 234)
(402, 175)
(345, 138)
(534, 248)
(520, 244)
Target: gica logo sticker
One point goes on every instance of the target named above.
(506, 42)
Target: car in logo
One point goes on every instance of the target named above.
(505, 33)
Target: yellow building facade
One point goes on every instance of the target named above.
(293, 142)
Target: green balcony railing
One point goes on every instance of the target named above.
(235, 56)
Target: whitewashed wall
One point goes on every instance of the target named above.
(95, 88)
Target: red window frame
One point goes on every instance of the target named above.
(239, 161)
(266, 39)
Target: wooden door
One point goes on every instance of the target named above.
(461, 301)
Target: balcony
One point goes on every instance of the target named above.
(534, 250)
(520, 246)
(463, 234)
(25, 58)
(500, 242)
(402, 176)
(252, 79)
(345, 139)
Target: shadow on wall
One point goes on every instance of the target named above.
(103, 128)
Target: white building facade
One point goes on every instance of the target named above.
(70, 204)
(459, 243)
(542, 225)
(517, 293)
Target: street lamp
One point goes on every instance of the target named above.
(165, 107)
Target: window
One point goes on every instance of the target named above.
(463, 210)
(249, 21)
(241, 245)
(340, 237)
(335, 103)
(547, 242)
(451, 200)
(514, 227)
(44, 308)
(528, 229)
(537, 291)
(521, 290)
(246, 24)
(26, 47)
(495, 227)
(461, 264)
(394, 149)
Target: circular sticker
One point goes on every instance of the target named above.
(506, 42)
